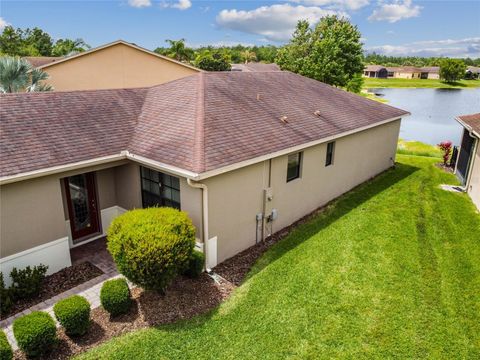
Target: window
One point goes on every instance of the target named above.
(293, 168)
(159, 189)
(330, 150)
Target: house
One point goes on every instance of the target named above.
(244, 154)
(472, 72)
(255, 67)
(37, 61)
(468, 163)
(405, 72)
(115, 65)
(375, 71)
(430, 72)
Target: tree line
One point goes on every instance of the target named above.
(331, 52)
(36, 42)
(384, 60)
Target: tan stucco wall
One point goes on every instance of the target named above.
(117, 66)
(34, 212)
(236, 197)
(474, 186)
(31, 214)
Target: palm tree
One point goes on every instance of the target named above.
(248, 56)
(18, 75)
(179, 51)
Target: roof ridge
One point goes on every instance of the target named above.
(199, 127)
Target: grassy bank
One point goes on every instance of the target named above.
(390, 270)
(418, 83)
(418, 148)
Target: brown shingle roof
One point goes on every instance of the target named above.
(37, 61)
(472, 121)
(374, 68)
(255, 67)
(198, 123)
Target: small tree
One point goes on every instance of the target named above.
(452, 70)
(151, 246)
(213, 61)
(446, 147)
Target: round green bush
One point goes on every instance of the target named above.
(6, 352)
(35, 333)
(115, 296)
(195, 264)
(151, 246)
(73, 314)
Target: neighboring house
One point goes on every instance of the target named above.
(37, 61)
(405, 72)
(244, 154)
(430, 72)
(255, 67)
(472, 72)
(468, 163)
(112, 66)
(375, 71)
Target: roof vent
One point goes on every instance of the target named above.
(284, 119)
(259, 97)
(316, 112)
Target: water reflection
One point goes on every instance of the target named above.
(433, 111)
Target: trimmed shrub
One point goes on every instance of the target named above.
(6, 300)
(35, 333)
(151, 246)
(115, 296)
(6, 352)
(195, 264)
(73, 314)
(26, 283)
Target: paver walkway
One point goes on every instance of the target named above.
(95, 252)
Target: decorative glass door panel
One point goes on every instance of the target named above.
(82, 205)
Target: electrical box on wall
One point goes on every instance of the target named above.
(269, 194)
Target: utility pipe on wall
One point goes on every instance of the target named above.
(204, 188)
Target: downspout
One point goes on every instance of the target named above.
(204, 188)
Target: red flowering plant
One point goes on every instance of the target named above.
(446, 147)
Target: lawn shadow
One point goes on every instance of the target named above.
(321, 218)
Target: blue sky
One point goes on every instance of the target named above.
(395, 27)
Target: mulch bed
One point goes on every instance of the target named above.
(57, 283)
(184, 299)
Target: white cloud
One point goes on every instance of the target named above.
(337, 4)
(275, 22)
(3, 23)
(140, 3)
(468, 47)
(393, 12)
(182, 4)
(179, 4)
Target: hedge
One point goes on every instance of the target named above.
(195, 264)
(73, 314)
(6, 352)
(151, 246)
(115, 296)
(35, 333)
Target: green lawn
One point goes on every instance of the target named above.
(390, 270)
(417, 83)
(407, 147)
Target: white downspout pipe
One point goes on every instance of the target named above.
(204, 188)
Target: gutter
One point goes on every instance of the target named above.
(204, 188)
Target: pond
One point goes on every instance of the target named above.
(433, 111)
